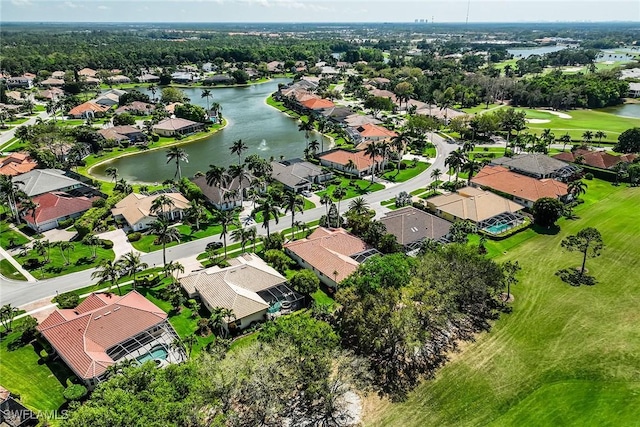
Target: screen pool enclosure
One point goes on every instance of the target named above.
(500, 223)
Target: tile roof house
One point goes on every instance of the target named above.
(137, 108)
(471, 203)
(298, 175)
(52, 82)
(318, 104)
(368, 132)
(356, 120)
(40, 181)
(53, 94)
(249, 287)
(226, 197)
(338, 114)
(364, 165)
(118, 79)
(536, 165)
(55, 207)
(16, 164)
(411, 226)
(135, 209)
(105, 329)
(87, 109)
(172, 127)
(124, 133)
(329, 253)
(596, 159)
(524, 189)
(148, 78)
(87, 72)
(58, 74)
(108, 99)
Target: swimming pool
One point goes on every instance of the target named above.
(157, 352)
(497, 228)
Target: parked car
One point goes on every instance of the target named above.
(213, 246)
(306, 193)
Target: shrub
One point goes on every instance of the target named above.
(75, 392)
(134, 237)
(588, 176)
(155, 138)
(67, 300)
(66, 223)
(106, 244)
(278, 260)
(99, 203)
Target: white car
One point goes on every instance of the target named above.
(306, 193)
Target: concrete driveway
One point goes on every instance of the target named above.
(56, 235)
(121, 244)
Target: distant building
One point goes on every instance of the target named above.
(298, 175)
(20, 82)
(135, 210)
(88, 109)
(412, 226)
(16, 164)
(537, 166)
(226, 197)
(355, 163)
(596, 159)
(126, 133)
(173, 127)
(55, 207)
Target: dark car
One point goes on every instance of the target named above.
(213, 246)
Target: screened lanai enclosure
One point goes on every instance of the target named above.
(500, 223)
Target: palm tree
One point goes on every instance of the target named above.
(436, 174)
(326, 201)
(565, 139)
(178, 155)
(468, 146)
(471, 167)
(159, 203)
(577, 187)
(112, 173)
(27, 208)
(587, 136)
(373, 151)
(225, 219)
(206, 93)
(66, 247)
(599, 134)
(268, 208)
(338, 194)
(241, 235)
(306, 127)
(313, 146)
(241, 174)
(359, 205)
(455, 160)
(292, 203)
(238, 147)
(165, 235)
(153, 89)
(173, 267)
(398, 142)
(252, 236)
(131, 263)
(11, 192)
(195, 213)
(351, 165)
(217, 176)
(108, 271)
(123, 186)
(91, 240)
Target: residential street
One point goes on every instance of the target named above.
(21, 293)
(6, 136)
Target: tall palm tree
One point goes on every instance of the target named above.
(28, 208)
(468, 146)
(92, 241)
(398, 142)
(292, 203)
(165, 235)
(241, 235)
(471, 167)
(268, 208)
(131, 263)
(252, 236)
(10, 192)
(306, 127)
(159, 204)
(455, 160)
(217, 176)
(351, 165)
(359, 206)
(436, 174)
(373, 151)
(577, 187)
(153, 89)
(66, 247)
(225, 219)
(123, 186)
(109, 271)
(195, 213)
(326, 201)
(112, 173)
(338, 194)
(313, 146)
(178, 155)
(565, 139)
(238, 147)
(599, 134)
(241, 174)
(587, 136)
(206, 93)
(173, 267)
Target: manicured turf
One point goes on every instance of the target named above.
(354, 188)
(40, 385)
(565, 355)
(581, 121)
(481, 108)
(406, 174)
(9, 271)
(7, 235)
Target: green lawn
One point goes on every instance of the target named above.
(7, 235)
(481, 108)
(406, 174)
(354, 188)
(40, 385)
(80, 259)
(581, 121)
(565, 355)
(9, 271)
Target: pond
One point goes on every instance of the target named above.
(528, 51)
(267, 131)
(626, 110)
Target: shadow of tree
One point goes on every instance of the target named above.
(551, 231)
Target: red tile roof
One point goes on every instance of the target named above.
(342, 157)
(502, 179)
(88, 106)
(370, 130)
(57, 205)
(329, 251)
(82, 336)
(318, 104)
(596, 159)
(16, 164)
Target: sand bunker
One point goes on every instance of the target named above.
(556, 113)
(538, 121)
(572, 69)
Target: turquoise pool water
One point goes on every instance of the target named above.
(155, 353)
(498, 228)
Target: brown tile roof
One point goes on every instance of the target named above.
(235, 287)
(175, 124)
(596, 159)
(88, 106)
(410, 225)
(318, 104)
(16, 164)
(502, 179)
(473, 204)
(370, 130)
(87, 72)
(342, 157)
(136, 207)
(329, 251)
(57, 205)
(83, 337)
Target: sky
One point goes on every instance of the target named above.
(318, 10)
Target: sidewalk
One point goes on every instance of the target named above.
(5, 255)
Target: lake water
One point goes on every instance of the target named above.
(626, 110)
(528, 51)
(267, 131)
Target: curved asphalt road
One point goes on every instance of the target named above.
(21, 293)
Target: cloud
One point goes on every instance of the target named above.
(103, 7)
(21, 2)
